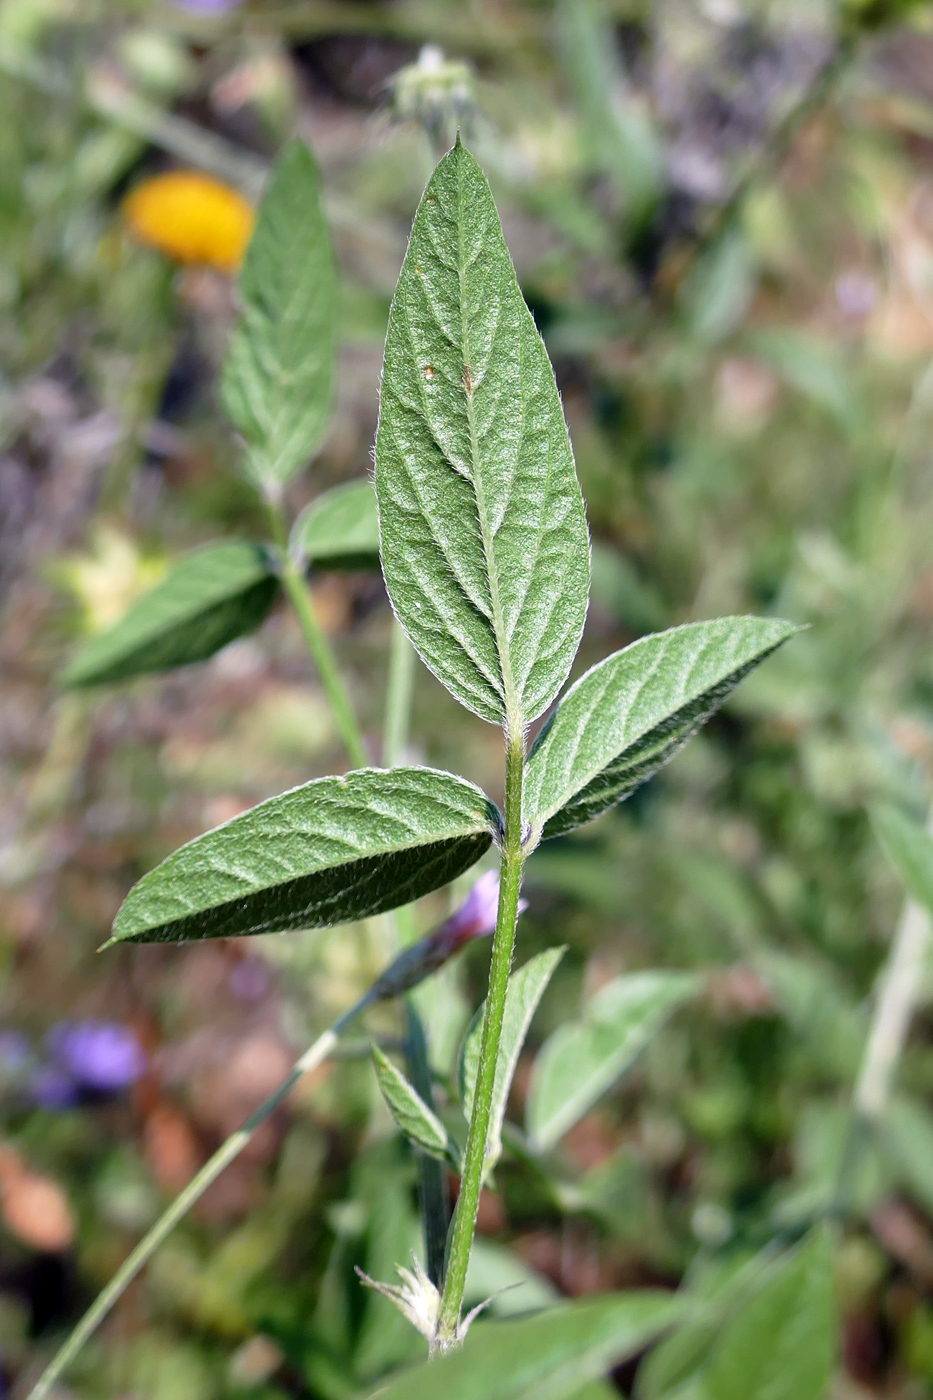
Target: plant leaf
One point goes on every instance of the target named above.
(580, 1061)
(549, 1356)
(340, 529)
(278, 375)
(484, 539)
(909, 849)
(331, 851)
(629, 714)
(781, 1343)
(202, 603)
(419, 1123)
(526, 988)
(906, 1134)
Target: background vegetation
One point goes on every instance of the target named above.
(721, 212)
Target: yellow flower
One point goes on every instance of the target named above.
(191, 218)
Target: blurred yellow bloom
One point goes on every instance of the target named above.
(191, 218)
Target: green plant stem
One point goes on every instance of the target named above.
(398, 697)
(182, 1203)
(500, 967)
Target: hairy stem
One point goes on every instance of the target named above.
(500, 968)
(182, 1203)
(893, 1009)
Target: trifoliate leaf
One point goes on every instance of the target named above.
(630, 713)
(202, 603)
(484, 539)
(278, 375)
(331, 851)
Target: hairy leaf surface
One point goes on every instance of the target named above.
(413, 1117)
(484, 539)
(278, 375)
(629, 714)
(546, 1357)
(340, 529)
(333, 850)
(203, 602)
(582, 1059)
(526, 988)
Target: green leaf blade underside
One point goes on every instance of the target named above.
(340, 529)
(203, 602)
(277, 380)
(909, 849)
(629, 714)
(419, 1123)
(582, 1059)
(484, 541)
(781, 1343)
(549, 1356)
(526, 988)
(331, 851)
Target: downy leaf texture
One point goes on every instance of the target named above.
(909, 849)
(619, 723)
(549, 1356)
(582, 1059)
(326, 853)
(277, 379)
(340, 529)
(484, 541)
(419, 1123)
(204, 601)
(526, 988)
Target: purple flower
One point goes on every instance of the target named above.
(53, 1088)
(249, 980)
(97, 1054)
(477, 914)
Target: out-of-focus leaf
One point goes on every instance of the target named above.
(718, 292)
(827, 1023)
(811, 367)
(781, 1343)
(331, 851)
(550, 1356)
(582, 1059)
(909, 849)
(202, 603)
(526, 988)
(629, 714)
(413, 1117)
(484, 540)
(617, 587)
(495, 1270)
(906, 1134)
(822, 1138)
(340, 529)
(278, 375)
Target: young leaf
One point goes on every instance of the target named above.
(781, 1343)
(331, 851)
(583, 1058)
(278, 374)
(340, 529)
(203, 602)
(909, 849)
(526, 988)
(419, 1123)
(549, 1356)
(484, 539)
(629, 714)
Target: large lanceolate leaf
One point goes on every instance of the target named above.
(583, 1058)
(340, 529)
(629, 714)
(202, 603)
(909, 849)
(484, 539)
(526, 988)
(278, 374)
(333, 850)
(550, 1356)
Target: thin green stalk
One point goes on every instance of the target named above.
(500, 967)
(398, 697)
(182, 1203)
(293, 581)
